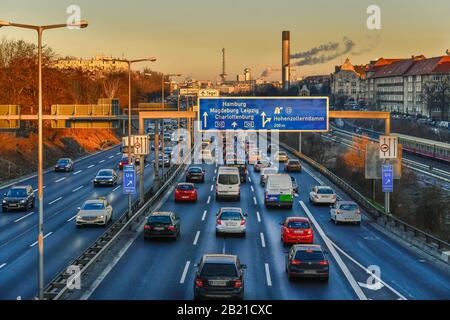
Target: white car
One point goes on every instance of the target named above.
(322, 194)
(254, 155)
(345, 211)
(260, 164)
(265, 172)
(207, 156)
(94, 212)
(231, 220)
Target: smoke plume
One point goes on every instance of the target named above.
(268, 71)
(323, 53)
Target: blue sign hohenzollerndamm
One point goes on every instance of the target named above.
(251, 113)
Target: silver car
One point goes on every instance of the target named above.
(263, 163)
(231, 220)
(345, 211)
(94, 212)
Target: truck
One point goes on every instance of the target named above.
(279, 191)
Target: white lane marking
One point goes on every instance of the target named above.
(204, 215)
(110, 157)
(79, 188)
(75, 173)
(147, 165)
(101, 161)
(92, 165)
(368, 271)
(56, 200)
(2, 265)
(249, 179)
(59, 180)
(258, 216)
(251, 187)
(263, 241)
(196, 238)
(215, 171)
(186, 268)
(35, 190)
(116, 188)
(212, 187)
(209, 200)
(35, 243)
(120, 254)
(25, 216)
(118, 153)
(254, 200)
(72, 218)
(268, 278)
(341, 264)
(224, 247)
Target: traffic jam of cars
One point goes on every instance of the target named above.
(221, 275)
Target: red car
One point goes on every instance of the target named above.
(185, 192)
(123, 162)
(296, 230)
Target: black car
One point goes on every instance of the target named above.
(64, 164)
(18, 198)
(195, 174)
(106, 177)
(219, 276)
(162, 225)
(294, 184)
(168, 151)
(307, 261)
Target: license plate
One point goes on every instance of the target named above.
(159, 229)
(13, 205)
(185, 197)
(298, 232)
(309, 271)
(218, 283)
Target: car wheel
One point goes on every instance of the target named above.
(290, 278)
(243, 234)
(217, 234)
(336, 222)
(358, 223)
(325, 279)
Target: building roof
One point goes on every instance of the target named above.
(358, 69)
(416, 65)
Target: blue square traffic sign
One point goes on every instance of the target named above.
(129, 180)
(387, 178)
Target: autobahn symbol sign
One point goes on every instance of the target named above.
(129, 180)
(285, 114)
(388, 147)
(387, 178)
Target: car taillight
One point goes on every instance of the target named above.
(237, 283)
(120, 163)
(242, 222)
(296, 262)
(147, 227)
(198, 282)
(358, 212)
(338, 211)
(218, 221)
(324, 263)
(309, 231)
(171, 228)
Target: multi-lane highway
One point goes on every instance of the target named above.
(63, 194)
(165, 269)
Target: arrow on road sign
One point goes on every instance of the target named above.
(264, 121)
(205, 116)
(234, 124)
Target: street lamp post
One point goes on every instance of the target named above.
(141, 159)
(40, 30)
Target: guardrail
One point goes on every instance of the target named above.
(58, 287)
(370, 208)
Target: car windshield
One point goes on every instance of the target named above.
(63, 161)
(230, 215)
(17, 193)
(298, 225)
(159, 219)
(349, 207)
(282, 154)
(105, 173)
(325, 191)
(228, 179)
(93, 206)
(185, 187)
(195, 170)
(218, 270)
(270, 171)
(309, 256)
(295, 162)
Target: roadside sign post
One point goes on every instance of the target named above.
(140, 145)
(129, 184)
(387, 184)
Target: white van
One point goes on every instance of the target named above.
(279, 191)
(228, 184)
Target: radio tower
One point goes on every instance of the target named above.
(223, 74)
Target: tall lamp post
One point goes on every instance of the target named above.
(40, 30)
(141, 162)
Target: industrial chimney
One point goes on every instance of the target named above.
(285, 55)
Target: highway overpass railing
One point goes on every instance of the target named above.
(375, 212)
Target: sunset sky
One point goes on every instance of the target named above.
(187, 36)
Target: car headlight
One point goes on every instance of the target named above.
(23, 201)
(101, 217)
(4, 201)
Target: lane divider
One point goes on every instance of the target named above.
(25, 216)
(360, 294)
(268, 278)
(254, 200)
(204, 215)
(2, 265)
(263, 241)
(92, 165)
(35, 243)
(72, 218)
(79, 188)
(209, 200)
(185, 270)
(59, 180)
(101, 161)
(258, 216)
(116, 188)
(196, 238)
(54, 201)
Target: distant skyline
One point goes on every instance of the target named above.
(187, 36)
